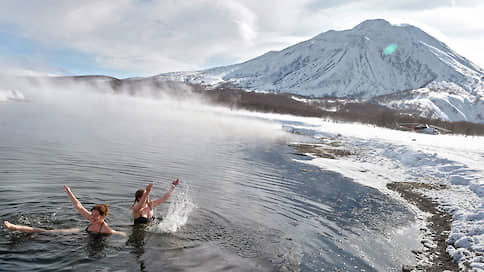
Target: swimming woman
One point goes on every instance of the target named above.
(96, 218)
(143, 207)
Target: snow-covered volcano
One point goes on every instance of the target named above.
(372, 59)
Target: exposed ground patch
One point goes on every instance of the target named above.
(439, 225)
(331, 151)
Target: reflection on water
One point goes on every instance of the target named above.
(96, 244)
(249, 206)
(137, 241)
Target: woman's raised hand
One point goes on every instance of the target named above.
(149, 187)
(176, 182)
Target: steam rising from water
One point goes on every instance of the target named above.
(173, 108)
(165, 118)
(11, 95)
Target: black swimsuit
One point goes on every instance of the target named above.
(100, 228)
(144, 220)
(141, 220)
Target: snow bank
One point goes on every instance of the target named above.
(383, 156)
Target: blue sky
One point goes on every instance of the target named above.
(128, 38)
(33, 54)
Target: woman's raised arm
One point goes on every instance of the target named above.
(144, 198)
(158, 201)
(77, 204)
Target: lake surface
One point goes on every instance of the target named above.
(244, 204)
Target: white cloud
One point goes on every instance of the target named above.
(243, 17)
(88, 17)
(149, 37)
(462, 29)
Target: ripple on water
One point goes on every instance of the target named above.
(271, 246)
(260, 211)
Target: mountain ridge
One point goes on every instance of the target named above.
(374, 58)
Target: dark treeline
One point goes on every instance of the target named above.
(362, 112)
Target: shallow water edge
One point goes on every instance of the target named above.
(438, 228)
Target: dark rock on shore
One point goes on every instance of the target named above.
(439, 225)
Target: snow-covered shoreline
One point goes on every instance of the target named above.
(383, 156)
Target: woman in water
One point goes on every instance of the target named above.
(143, 207)
(96, 218)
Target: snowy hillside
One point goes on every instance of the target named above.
(445, 101)
(373, 59)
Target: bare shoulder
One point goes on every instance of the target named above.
(109, 230)
(105, 228)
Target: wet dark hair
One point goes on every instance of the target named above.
(137, 196)
(102, 209)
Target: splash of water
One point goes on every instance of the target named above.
(178, 212)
